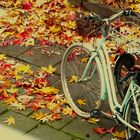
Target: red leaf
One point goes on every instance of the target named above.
(111, 130)
(17, 42)
(71, 16)
(100, 130)
(24, 35)
(27, 6)
(29, 53)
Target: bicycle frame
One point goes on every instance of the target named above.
(108, 91)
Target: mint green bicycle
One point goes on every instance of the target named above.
(87, 78)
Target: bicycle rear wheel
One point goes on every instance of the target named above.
(83, 96)
(131, 117)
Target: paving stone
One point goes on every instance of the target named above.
(81, 129)
(22, 123)
(13, 51)
(25, 112)
(45, 132)
(3, 107)
(61, 123)
(43, 60)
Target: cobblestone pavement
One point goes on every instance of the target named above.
(67, 128)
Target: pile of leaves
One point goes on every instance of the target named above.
(21, 89)
(30, 22)
(133, 4)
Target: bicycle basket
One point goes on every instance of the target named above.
(88, 26)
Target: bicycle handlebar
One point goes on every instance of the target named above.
(127, 12)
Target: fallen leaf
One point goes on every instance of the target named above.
(93, 120)
(49, 90)
(24, 99)
(10, 121)
(38, 116)
(119, 134)
(18, 106)
(73, 78)
(2, 57)
(67, 111)
(29, 53)
(100, 130)
(50, 69)
(81, 102)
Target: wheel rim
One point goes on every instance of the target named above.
(76, 90)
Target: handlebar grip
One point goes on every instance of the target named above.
(129, 12)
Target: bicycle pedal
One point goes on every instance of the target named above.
(95, 113)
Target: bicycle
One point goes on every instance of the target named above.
(87, 80)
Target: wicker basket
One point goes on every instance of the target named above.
(88, 26)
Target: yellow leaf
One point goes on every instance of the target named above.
(73, 78)
(50, 69)
(38, 116)
(52, 105)
(2, 57)
(49, 90)
(81, 102)
(84, 60)
(38, 3)
(119, 134)
(12, 20)
(10, 100)
(23, 68)
(93, 120)
(18, 106)
(10, 120)
(55, 29)
(13, 90)
(47, 118)
(24, 99)
(29, 42)
(67, 111)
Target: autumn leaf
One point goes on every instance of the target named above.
(93, 120)
(38, 116)
(18, 106)
(24, 99)
(10, 100)
(81, 102)
(12, 90)
(67, 111)
(73, 78)
(2, 57)
(84, 60)
(10, 121)
(52, 105)
(100, 130)
(47, 118)
(23, 68)
(29, 53)
(49, 90)
(119, 134)
(55, 29)
(50, 69)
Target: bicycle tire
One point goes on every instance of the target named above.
(81, 93)
(130, 116)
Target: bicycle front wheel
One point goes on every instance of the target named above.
(131, 117)
(82, 95)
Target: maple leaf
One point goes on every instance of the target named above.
(12, 90)
(24, 99)
(84, 60)
(73, 78)
(52, 105)
(47, 118)
(10, 120)
(93, 120)
(100, 130)
(81, 102)
(38, 3)
(67, 111)
(38, 116)
(119, 134)
(18, 106)
(10, 100)
(55, 29)
(2, 57)
(29, 53)
(23, 68)
(49, 90)
(50, 69)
